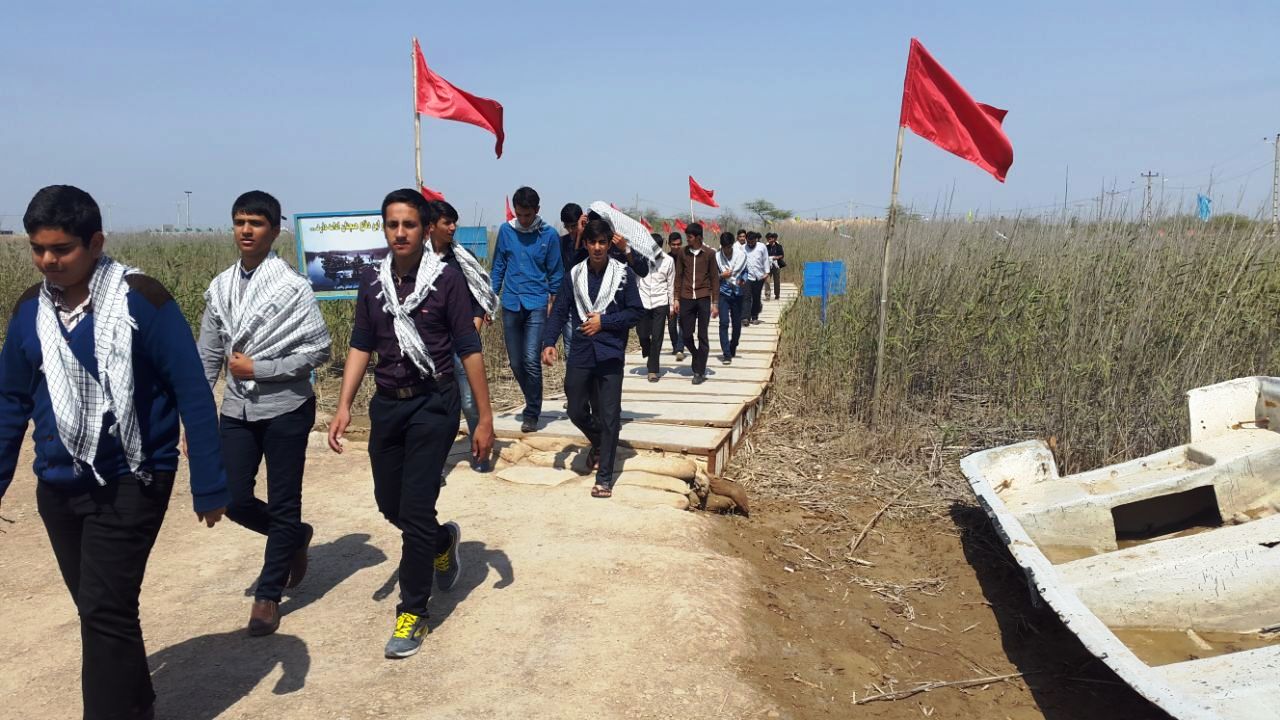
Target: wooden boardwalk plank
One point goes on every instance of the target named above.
(668, 361)
(677, 383)
(656, 436)
(715, 371)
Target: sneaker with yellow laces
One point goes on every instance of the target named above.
(449, 563)
(407, 638)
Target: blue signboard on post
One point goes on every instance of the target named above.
(474, 239)
(824, 279)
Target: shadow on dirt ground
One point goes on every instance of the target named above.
(200, 678)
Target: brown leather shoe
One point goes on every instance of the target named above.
(298, 563)
(265, 617)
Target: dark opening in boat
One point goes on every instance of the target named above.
(1167, 514)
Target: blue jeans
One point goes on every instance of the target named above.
(469, 410)
(522, 332)
(567, 335)
(730, 316)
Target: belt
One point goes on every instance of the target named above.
(406, 393)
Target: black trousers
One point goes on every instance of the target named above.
(776, 274)
(757, 289)
(650, 329)
(673, 331)
(696, 312)
(409, 441)
(102, 539)
(282, 440)
(595, 407)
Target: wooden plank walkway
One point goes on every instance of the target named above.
(704, 421)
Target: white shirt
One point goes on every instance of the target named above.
(658, 288)
(757, 261)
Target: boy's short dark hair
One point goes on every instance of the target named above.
(693, 229)
(656, 238)
(569, 214)
(527, 198)
(257, 202)
(741, 232)
(66, 208)
(410, 197)
(674, 237)
(753, 235)
(726, 239)
(771, 236)
(437, 209)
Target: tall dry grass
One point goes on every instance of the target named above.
(1005, 330)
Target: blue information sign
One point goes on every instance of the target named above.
(824, 279)
(474, 239)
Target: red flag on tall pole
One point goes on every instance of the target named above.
(666, 226)
(510, 215)
(437, 97)
(938, 109)
(430, 194)
(700, 194)
(680, 225)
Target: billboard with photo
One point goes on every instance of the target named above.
(333, 248)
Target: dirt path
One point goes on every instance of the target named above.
(568, 607)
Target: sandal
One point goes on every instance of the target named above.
(600, 491)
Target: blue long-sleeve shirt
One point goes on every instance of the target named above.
(168, 381)
(616, 322)
(527, 267)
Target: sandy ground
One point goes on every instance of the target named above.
(568, 607)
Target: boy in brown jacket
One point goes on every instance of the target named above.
(697, 291)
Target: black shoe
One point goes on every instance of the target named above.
(528, 426)
(448, 563)
(699, 378)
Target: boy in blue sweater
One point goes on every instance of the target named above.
(100, 356)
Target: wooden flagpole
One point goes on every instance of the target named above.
(890, 221)
(417, 117)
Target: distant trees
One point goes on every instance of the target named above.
(766, 211)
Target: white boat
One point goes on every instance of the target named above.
(1166, 567)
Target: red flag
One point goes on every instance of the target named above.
(645, 222)
(666, 226)
(699, 194)
(680, 225)
(939, 110)
(430, 194)
(437, 97)
(510, 215)
(715, 227)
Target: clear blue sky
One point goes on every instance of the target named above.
(796, 102)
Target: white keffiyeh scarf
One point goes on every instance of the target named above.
(80, 401)
(615, 273)
(429, 269)
(736, 265)
(638, 238)
(477, 279)
(276, 315)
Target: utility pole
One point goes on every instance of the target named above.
(1146, 198)
(188, 192)
(177, 227)
(109, 218)
(1275, 187)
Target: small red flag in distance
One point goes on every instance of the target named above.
(938, 109)
(680, 225)
(697, 193)
(437, 97)
(666, 226)
(430, 194)
(645, 222)
(510, 215)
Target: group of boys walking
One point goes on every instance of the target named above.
(101, 358)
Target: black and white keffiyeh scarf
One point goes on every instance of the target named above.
(477, 279)
(615, 274)
(429, 269)
(80, 401)
(638, 238)
(276, 315)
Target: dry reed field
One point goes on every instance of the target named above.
(1086, 334)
